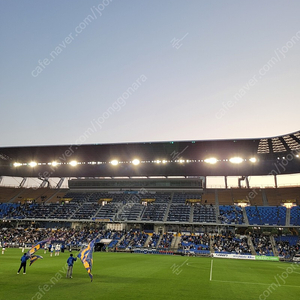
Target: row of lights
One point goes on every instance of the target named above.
(135, 162)
(234, 160)
(72, 163)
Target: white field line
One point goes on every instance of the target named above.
(211, 269)
(285, 269)
(257, 283)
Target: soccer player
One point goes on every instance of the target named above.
(52, 249)
(70, 263)
(3, 248)
(23, 263)
(57, 249)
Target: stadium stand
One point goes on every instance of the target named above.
(262, 244)
(260, 215)
(295, 216)
(287, 246)
(231, 214)
(204, 214)
(198, 244)
(154, 238)
(166, 241)
(228, 242)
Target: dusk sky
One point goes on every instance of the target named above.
(113, 71)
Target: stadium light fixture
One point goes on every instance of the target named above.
(289, 204)
(73, 163)
(114, 162)
(32, 164)
(211, 160)
(252, 159)
(16, 164)
(136, 161)
(54, 163)
(242, 204)
(236, 160)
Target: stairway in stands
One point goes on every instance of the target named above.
(217, 207)
(120, 240)
(160, 238)
(274, 248)
(211, 242)
(246, 221)
(288, 217)
(168, 208)
(264, 198)
(147, 241)
(175, 242)
(191, 214)
(250, 243)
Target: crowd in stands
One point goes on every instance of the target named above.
(115, 236)
(287, 246)
(166, 241)
(133, 239)
(17, 237)
(228, 242)
(139, 239)
(225, 242)
(262, 244)
(194, 242)
(154, 240)
(126, 240)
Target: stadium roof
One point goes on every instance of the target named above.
(262, 156)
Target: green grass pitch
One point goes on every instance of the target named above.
(145, 276)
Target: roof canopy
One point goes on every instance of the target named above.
(276, 155)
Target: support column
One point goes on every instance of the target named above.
(22, 182)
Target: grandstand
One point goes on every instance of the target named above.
(158, 196)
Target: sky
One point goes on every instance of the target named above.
(112, 71)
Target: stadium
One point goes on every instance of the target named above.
(149, 150)
(191, 214)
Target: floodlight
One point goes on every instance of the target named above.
(54, 163)
(33, 164)
(252, 159)
(17, 164)
(236, 160)
(136, 161)
(73, 163)
(211, 160)
(114, 162)
(289, 204)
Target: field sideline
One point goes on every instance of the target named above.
(141, 276)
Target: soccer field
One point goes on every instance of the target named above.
(145, 276)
